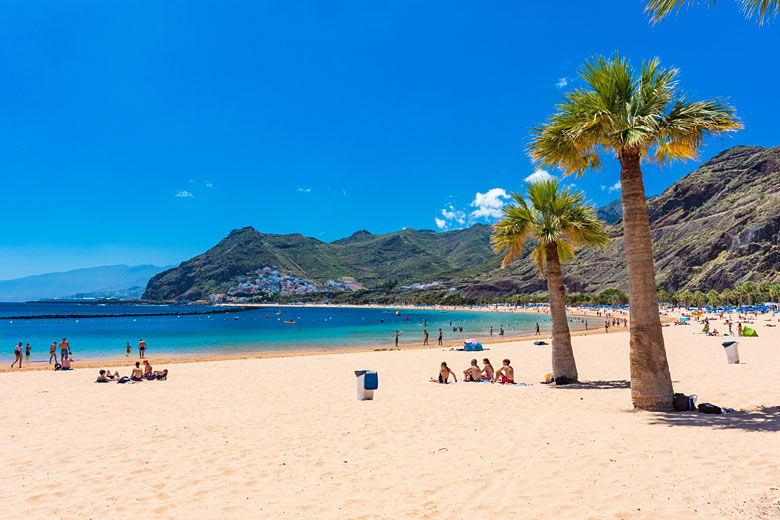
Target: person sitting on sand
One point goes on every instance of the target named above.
(106, 376)
(506, 373)
(445, 373)
(161, 374)
(138, 372)
(147, 367)
(65, 363)
(472, 373)
(488, 373)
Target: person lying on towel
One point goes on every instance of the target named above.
(505, 374)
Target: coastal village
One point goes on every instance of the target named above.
(271, 281)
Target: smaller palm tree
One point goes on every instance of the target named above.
(713, 298)
(556, 220)
(686, 296)
(699, 297)
(750, 290)
(725, 295)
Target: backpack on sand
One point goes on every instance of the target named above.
(709, 408)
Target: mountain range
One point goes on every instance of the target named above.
(716, 226)
(119, 281)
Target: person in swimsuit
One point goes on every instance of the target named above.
(505, 374)
(18, 355)
(106, 376)
(425, 341)
(488, 374)
(53, 353)
(440, 337)
(138, 372)
(128, 348)
(472, 373)
(537, 330)
(64, 349)
(141, 348)
(445, 373)
(27, 350)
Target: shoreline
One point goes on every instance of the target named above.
(128, 361)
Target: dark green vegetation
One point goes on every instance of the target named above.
(714, 228)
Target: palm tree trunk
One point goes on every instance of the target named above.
(651, 382)
(563, 363)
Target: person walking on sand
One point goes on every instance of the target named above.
(506, 372)
(425, 341)
(606, 326)
(396, 338)
(64, 349)
(537, 330)
(739, 328)
(27, 351)
(440, 337)
(18, 355)
(128, 348)
(53, 352)
(141, 348)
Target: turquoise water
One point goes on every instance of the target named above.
(259, 330)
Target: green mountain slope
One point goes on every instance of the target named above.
(717, 226)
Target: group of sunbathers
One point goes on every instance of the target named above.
(139, 374)
(505, 374)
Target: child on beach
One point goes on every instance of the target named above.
(53, 353)
(506, 372)
(488, 374)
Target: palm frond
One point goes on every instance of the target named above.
(761, 10)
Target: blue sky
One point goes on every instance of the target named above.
(143, 132)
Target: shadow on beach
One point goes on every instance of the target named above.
(766, 419)
(597, 385)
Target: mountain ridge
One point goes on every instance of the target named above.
(717, 226)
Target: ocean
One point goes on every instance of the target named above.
(260, 330)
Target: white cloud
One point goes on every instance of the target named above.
(185, 194)
(539, 175)
(562, 82)
(440, 223)
(344, 191)
(208, 184)
(304, 190)
(450, 213)
(489, 204)
(603, 187)
(615, 187)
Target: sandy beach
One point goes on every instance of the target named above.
(285, 437)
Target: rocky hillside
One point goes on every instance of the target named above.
(715, 227)
(403, 256)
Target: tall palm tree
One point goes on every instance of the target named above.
(557, 220)
(741, 291)
(762, 10)
(763, 290)
(699, 297)
(635, 117)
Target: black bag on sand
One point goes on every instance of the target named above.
(563, 380)
(681, 403)
(709, 408)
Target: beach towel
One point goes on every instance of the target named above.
(540, 342)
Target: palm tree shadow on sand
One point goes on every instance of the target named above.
(597, 385)
(765, 419)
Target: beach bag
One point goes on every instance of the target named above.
(124, 380)
(709, 408)
(57, 366)
(681, 403)
(563, 380)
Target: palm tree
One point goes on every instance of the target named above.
(725, 294)
(763, 290)
(713, 299)
(699, 297)
(663, 296)
(774, 292)
(763, 10)
(740, 290)
(750, 290)
(636, 117)
(557, 220)
(685, 296)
